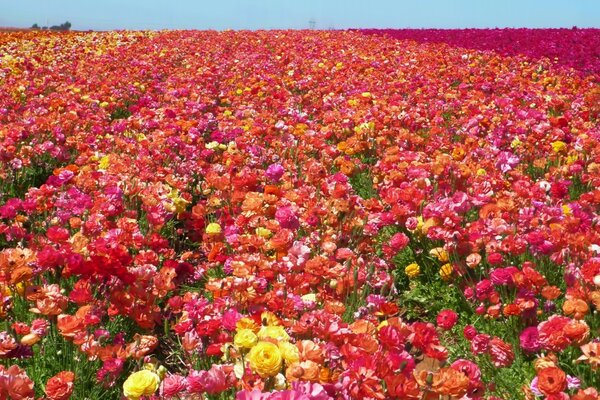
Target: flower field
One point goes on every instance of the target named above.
(298, 215)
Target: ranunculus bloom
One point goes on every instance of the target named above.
(469, 332)
(412, 270)
(287, 218)
(469, 368)
(529, 339)
(480, 343)
(265, 359)
(245, 338)
(551, 333)
(274, 172)
(450, 382)
(60, 386)
(15, 384)
(501, 353)
(399, 241)
(446, 319)
(173, 385)
(551, 380)
(140, 383)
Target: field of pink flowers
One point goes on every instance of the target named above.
(298, 215)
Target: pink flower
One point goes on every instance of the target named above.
(501, 353)
(173, 385)
(213, 381)
(467, 367)
(399, 241)
(216, 380)
(274, 172)
(253, 395)
(529, 339)
(287, 218)
(230, 317)
(480, 343)
(288, 395)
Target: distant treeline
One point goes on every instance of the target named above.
(62, 27)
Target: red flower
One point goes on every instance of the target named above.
(446, 319)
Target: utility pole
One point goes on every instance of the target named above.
(312, 23)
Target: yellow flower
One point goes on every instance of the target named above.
(263, 232)
(558, 146)
(104, 163)
(412, 270)
(446, 271)
(213, 229)
(566, 210)
(310, 297)
(269, 318)
(245, 338)
(141, 383)
(265, 359)
(289, 352)
(273, 332)
(440, 254)
(247, 323)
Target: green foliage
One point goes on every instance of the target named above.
(362, 183)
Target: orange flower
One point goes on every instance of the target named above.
(450, 382)
(551, 380)
(545, 362)
(142, 345)
(363, 326)
(60, 386)
(578, 331)
(576, 307)
(550, 292)
(587, 394)
(309, 350)
(50, 301)
(21, 274)
(402, 387)
(305, 371)
(334, 307)
(70, 326)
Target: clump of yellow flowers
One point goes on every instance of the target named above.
(267, 348)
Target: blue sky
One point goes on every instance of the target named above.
(274, 14)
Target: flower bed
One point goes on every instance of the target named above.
(294, 215)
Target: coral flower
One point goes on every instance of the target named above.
(591, 354)
(60, 386)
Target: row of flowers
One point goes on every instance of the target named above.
(242, 214)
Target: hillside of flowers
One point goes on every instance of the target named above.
(295, 215)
